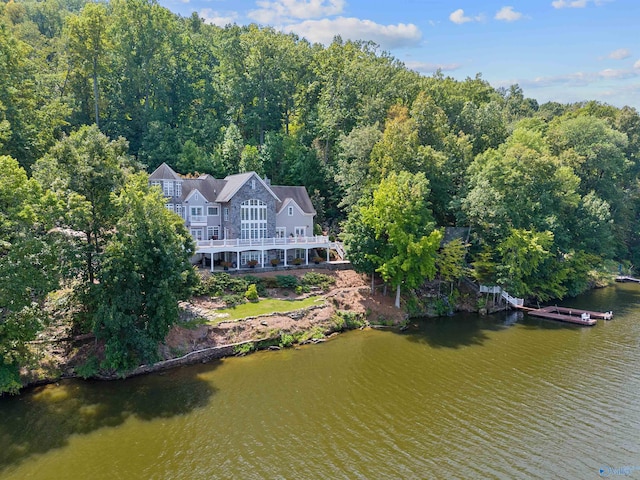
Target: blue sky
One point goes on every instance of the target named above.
(559, 50)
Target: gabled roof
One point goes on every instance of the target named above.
(233, 183)
(297, 194)
(164, 172)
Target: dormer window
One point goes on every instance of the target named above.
(178, 189)
(167, 189)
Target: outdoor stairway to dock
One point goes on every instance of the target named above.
(513, 301)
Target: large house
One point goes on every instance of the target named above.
(243, 219)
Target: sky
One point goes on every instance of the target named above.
(556, 50)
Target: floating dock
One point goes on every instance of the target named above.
(570, 315)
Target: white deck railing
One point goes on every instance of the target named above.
(516, 302)
(264, 242)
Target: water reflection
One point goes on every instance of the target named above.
(44, 418)
(453, 332)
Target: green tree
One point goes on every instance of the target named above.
(84, 169)
(28, 270)
(399, 216)
(87, 43)
(450, 263)
(527, 265)
(137, 302)
(364, 248)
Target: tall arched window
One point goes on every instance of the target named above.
(253, 223)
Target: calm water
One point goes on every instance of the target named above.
(460, 397)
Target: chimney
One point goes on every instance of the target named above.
(267, 181)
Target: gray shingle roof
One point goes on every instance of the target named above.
(163, 172)
(297, 194)
(221, 191)
(235, 182)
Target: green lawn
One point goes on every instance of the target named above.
(268, 305)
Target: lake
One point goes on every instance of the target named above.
(504, 397)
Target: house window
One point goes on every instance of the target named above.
(253, 220)
(253, 184)
(281, 232)
(253, 255)
(196, 233)
(290, 211)
(179, 209)
(196, 197)
(213, 211)
(169, 206)
(300, 231)
(300, 253)
(196, 214)
(178, 189)
(213, 233)
(168, 189)
(226, 214)
(156, 183)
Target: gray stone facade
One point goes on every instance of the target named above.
(247, 193)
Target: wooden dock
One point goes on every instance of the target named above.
(577, 316)
(627, 278)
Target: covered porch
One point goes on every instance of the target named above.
(242, 253)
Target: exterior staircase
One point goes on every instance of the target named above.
(513, 301)
(339, 248)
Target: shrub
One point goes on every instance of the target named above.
(287, 281)
(89, 368)
(318, 280)
(286, 340)
(233, 300)
(275, 262)
(219, 283)
(347, 320)
(297, 261)
(270, 282)
(317, 259)
(252, 293)
(259, 283)
(244, 348)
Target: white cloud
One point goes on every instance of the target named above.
(508, 14)
(569, 4)
(620, 54)
(286, 11)
(387, 36)
(577, 3)
(637, 64)
(577, 79)
(216, 18)
(428, 67)
(616, 73)
(459, 18)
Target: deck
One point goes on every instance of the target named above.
(577, 316)
(236, 246)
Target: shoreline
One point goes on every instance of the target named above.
(347, 305)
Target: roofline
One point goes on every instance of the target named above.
(244, 183)
(288, 200)
(186, 199)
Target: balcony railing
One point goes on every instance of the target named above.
(198, 219)
(264, 242)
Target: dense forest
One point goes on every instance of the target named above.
(92, 95)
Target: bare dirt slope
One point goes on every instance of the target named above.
(351, 292)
